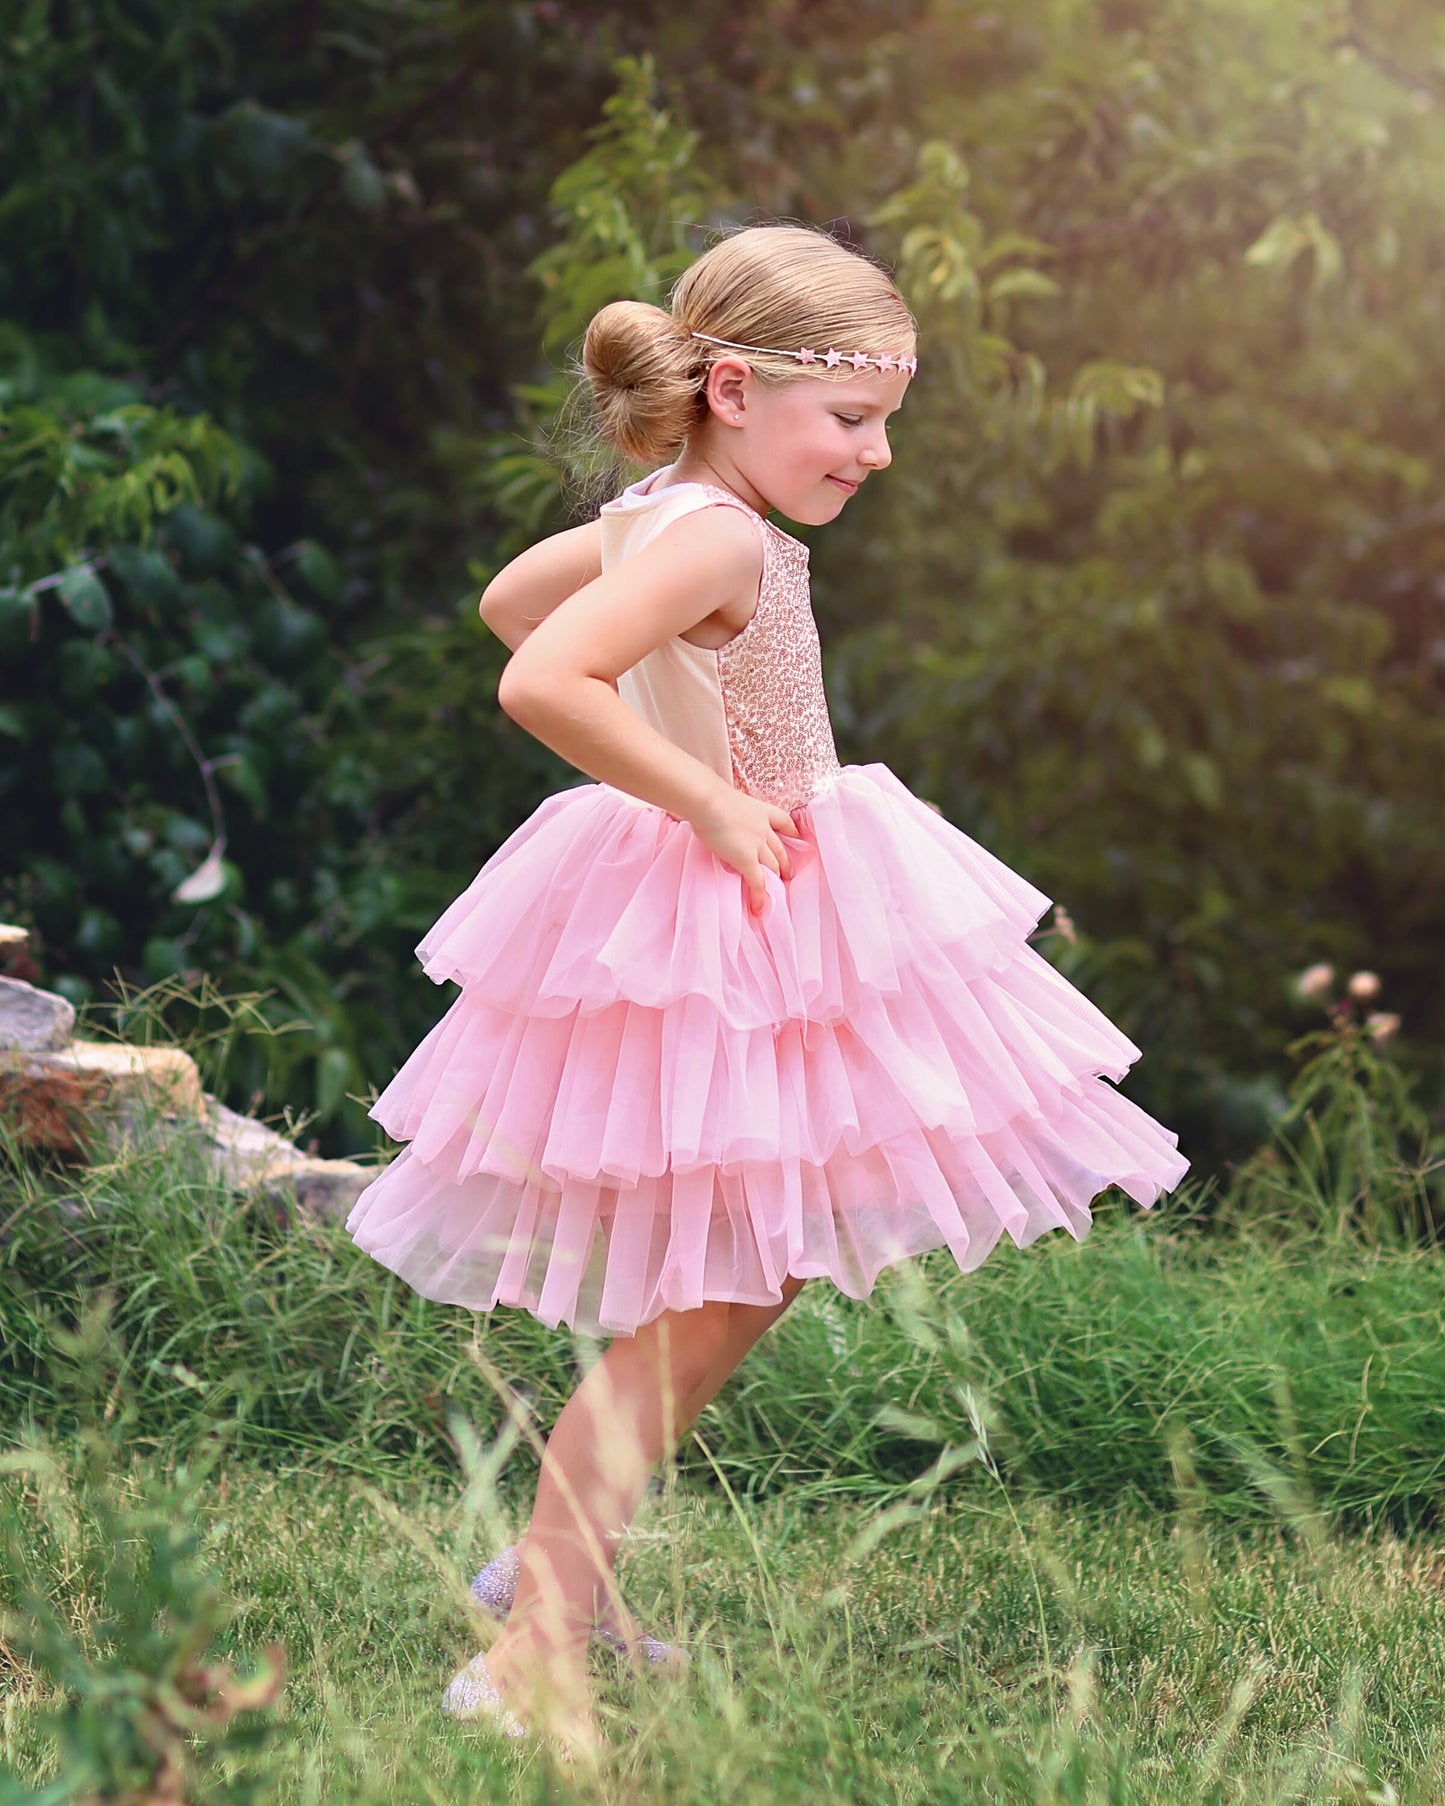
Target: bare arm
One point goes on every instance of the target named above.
(524, 592)
(560, 684)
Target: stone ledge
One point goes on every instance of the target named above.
(81, 1099)
(325, 1188)
(60, 1099)
(246, 1155)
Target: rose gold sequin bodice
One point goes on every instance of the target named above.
(753, 709)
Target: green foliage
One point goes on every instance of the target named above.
(84, 463)
(961, 282)
(169, 694)
(1354, 1150)
(85, 466)
(1148, 601)
(145, 1711)
(272, 764)
(226, 1312)
(1365, 1143)
(1156, 625)
(630, 213)
(306, 225)
(628, 208)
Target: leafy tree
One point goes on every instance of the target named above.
(168, 694)
(1186, 678)
(1149, 602)
(305, 228)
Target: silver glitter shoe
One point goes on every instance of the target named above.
(495, 1587)
(472, 1693)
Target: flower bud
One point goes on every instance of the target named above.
(1364, 986)
(1380, 1025)
(1315, 981)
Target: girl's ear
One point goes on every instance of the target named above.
(729, 387)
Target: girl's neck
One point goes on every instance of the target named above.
(700, 467)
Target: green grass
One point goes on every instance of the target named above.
(975, 1653)
(1266, 1359)
(1146, 1519)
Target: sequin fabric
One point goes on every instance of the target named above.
(779, 732)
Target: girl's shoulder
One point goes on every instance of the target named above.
(654, 494)
(658, 501)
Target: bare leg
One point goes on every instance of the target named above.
(613, 1429)
(747, 1324)
(624, 1416)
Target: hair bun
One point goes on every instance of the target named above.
(646, 377)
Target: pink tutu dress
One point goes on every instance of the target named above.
(645, 1096)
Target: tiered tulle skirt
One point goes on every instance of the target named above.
(645, 1096)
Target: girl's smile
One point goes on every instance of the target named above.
(777, 444)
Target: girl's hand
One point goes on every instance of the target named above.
(744, 832)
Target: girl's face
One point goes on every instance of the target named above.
(803, 446)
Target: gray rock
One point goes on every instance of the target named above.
(325, 1188)
(243, 1150)
(84, 1099)
(247, 1154)
(32, 1020)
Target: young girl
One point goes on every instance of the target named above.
(734, 1016)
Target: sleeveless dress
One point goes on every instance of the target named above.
(645, 1096)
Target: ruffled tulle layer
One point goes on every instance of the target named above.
(645, 1096)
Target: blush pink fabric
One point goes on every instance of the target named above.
(645, 1096)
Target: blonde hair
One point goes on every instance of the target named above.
(785, 286)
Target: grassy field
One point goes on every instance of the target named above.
(975, 1652)
(1154, 1518)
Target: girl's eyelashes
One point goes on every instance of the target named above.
(850, 419)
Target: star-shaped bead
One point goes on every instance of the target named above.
(832, 358)
(805, 356)
(885, 363)
(859, 360)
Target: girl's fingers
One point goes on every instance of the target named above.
(783, 823)
(773, 856)
(757, 883)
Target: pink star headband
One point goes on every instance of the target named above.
(860, 360)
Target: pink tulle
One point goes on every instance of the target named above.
(646, 1096)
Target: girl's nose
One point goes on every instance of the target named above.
(879, 455)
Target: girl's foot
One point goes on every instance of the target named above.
(472, 1693)
(545, 1679)
(495, 1587)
